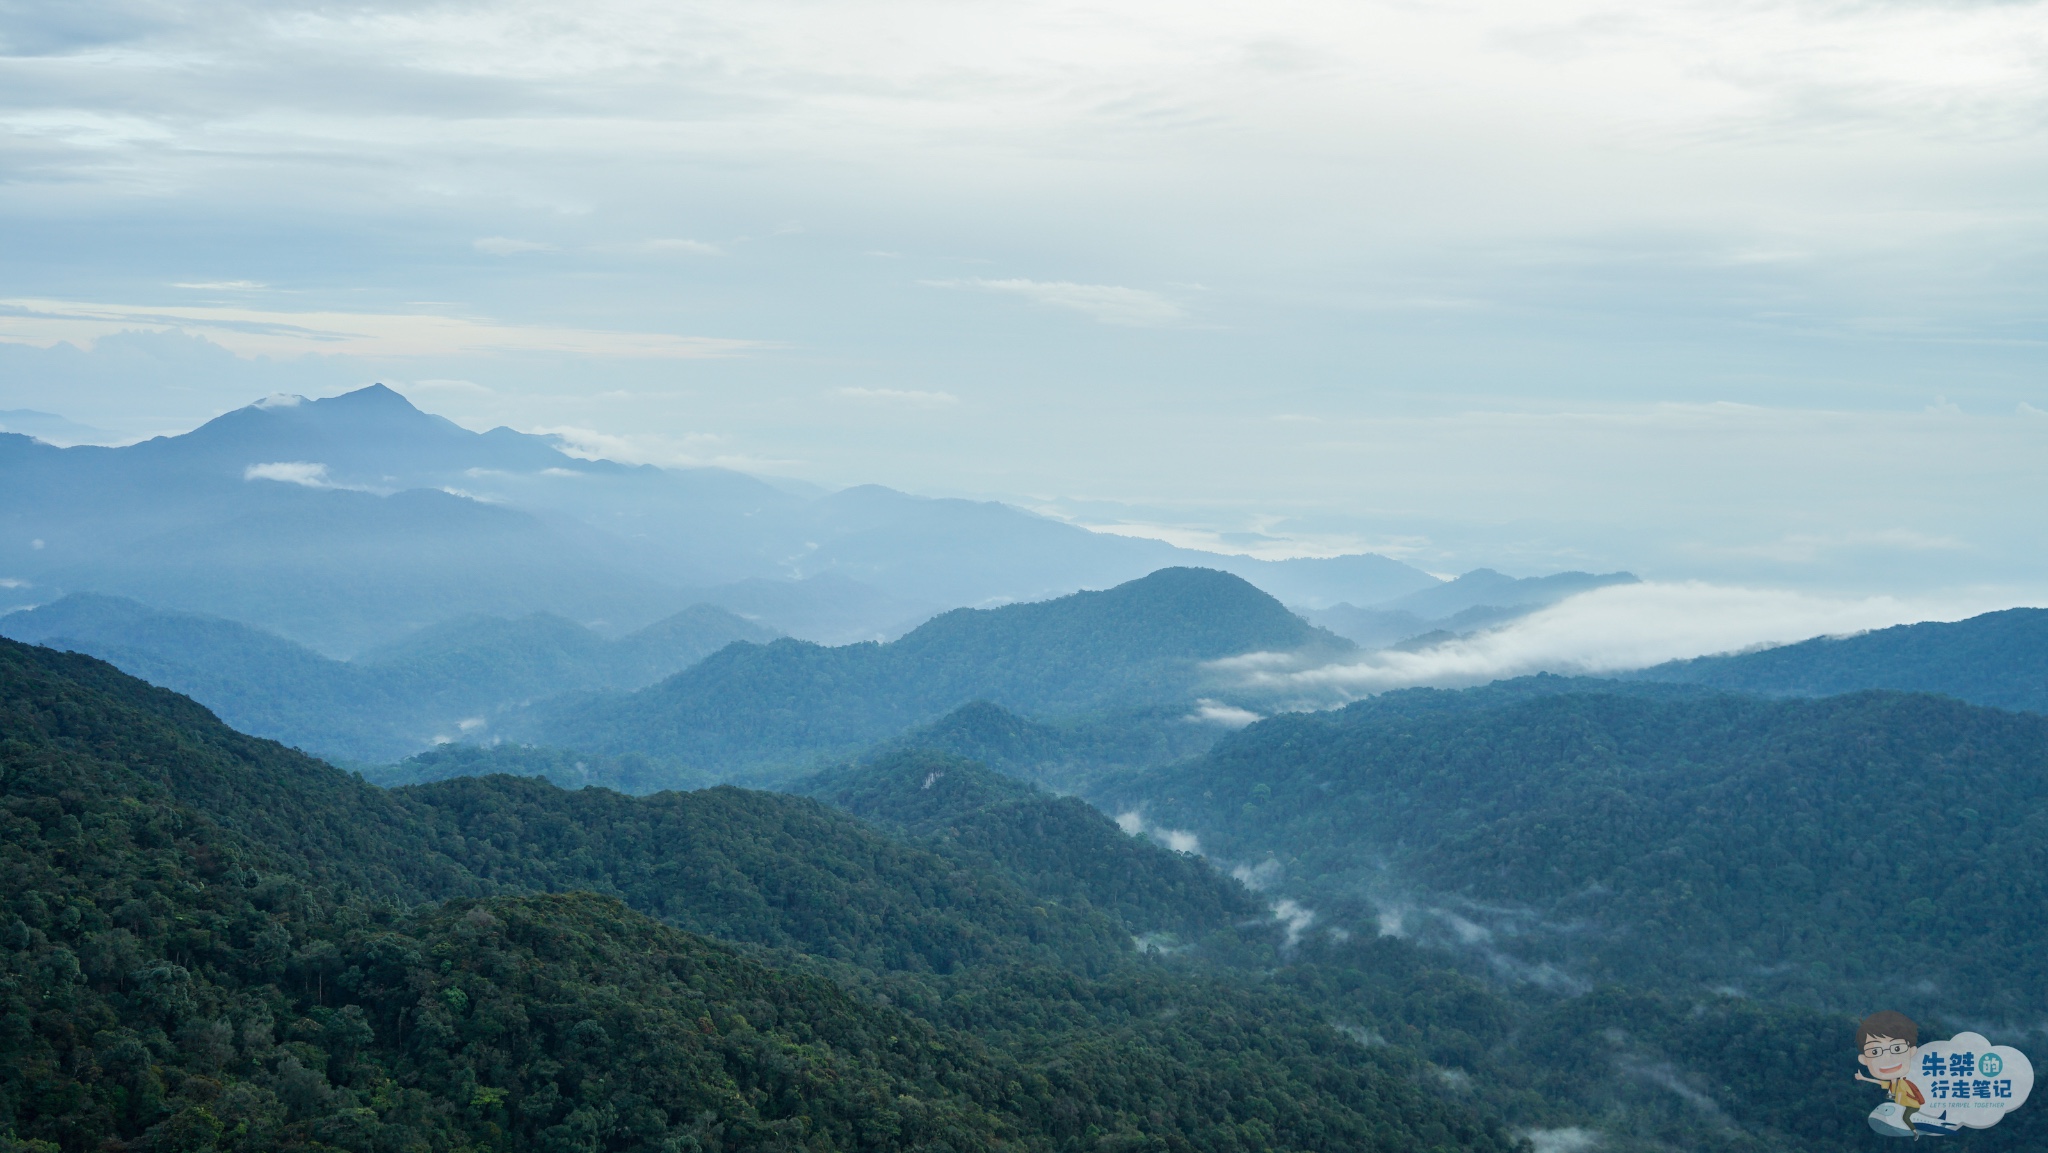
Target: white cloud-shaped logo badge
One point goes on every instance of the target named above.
(1969, 1082)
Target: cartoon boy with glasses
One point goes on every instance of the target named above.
(1888, 1041)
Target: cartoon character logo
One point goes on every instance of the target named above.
(1941, 1087)
(1889, 1041)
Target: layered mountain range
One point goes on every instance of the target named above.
(348, 522)
(1043, 873)
(1546, 914)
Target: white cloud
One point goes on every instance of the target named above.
(1179, 840)
(508, 245)
(1107, 303)
(223, 285)
(687, 450)
(1608, 630)
(1218, 713)
(1294, 917)
(299, 472)
(899, 396)
(1571, 1139)
(257, 332)
(688, 247)
(1260, 877)
(1260, 538)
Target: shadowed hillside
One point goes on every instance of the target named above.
(441, 683)
(761, 708)
(1998, 659)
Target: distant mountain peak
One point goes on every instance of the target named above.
(374, 394)
(374, 406)
(369, 437)
(372, 401)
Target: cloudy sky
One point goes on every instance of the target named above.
(1735, 291)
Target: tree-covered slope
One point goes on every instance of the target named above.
(198, 956)
(1067, 753)
(625, 773)
(181, 984)
(164, 989)
(766, 868)
(1056, 847)
(1998, 659)
(790, 702)
(1876, 847)
(126, 746)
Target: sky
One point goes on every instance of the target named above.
(1741, 292)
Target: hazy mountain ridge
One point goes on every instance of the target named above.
(1998, 659)
(1476, 600)
(441, 683)
(1074, 754)
(629, 773)
(346, 522)
(780, 706)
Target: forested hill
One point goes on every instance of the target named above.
(1068, 754)
(755, 867)
(1060, 848)
(1998, 659)
(789, 703)
(1875, 847)
(211, 942)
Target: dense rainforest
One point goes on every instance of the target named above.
(1869, 848)
(214, 942)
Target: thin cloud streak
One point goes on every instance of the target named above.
(252, 332)
(904, 396)
(1106, 303)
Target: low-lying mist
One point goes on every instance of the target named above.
(1608, 630)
